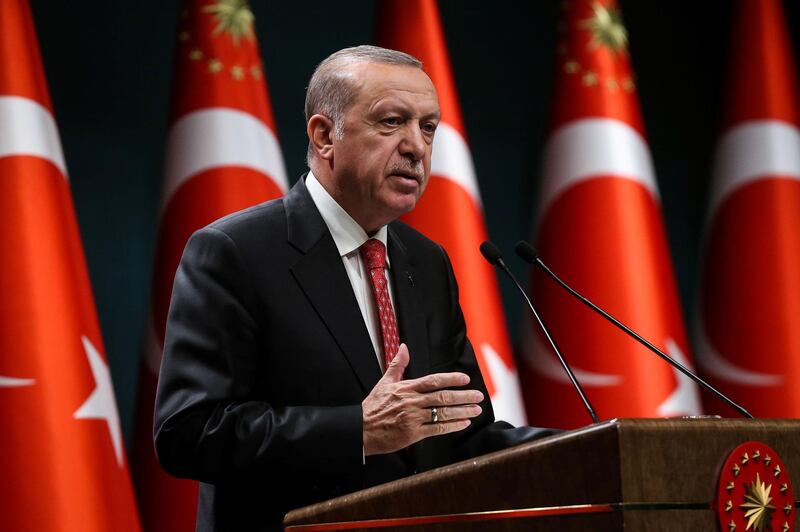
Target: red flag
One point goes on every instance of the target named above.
(63, 463)
(222, 156)
(599, 226)
(452, 195)
(748, 327)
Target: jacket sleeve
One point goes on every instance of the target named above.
(209, 422)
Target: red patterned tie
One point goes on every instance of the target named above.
(374, 255)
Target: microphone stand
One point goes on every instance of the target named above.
(529, 255)
(493, 256)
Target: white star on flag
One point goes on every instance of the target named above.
(101, 404)
(506, 384)
(685, 400)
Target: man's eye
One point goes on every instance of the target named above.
(429, 127)
(392, 121)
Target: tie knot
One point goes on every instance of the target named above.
(373, 253)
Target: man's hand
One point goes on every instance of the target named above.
(397, 413)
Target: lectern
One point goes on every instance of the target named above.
(626, 474)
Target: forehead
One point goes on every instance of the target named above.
(378, 82)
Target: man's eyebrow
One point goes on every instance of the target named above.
(385, 106)
(395, 107)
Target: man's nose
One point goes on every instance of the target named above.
(413, 144)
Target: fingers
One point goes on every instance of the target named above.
(438, 381)
(454, 413)
(450, 419)
(448, 398)
(397, 413)
(446, 427)
(394, 373)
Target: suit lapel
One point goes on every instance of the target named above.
(322, 277)
(410, 319)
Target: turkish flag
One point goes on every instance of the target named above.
(63, 463)
(599, 227)
(450, 211)
(222, 156)
(748, 321)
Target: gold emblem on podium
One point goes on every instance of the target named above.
(755, 493)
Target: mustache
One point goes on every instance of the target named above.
(410, 168)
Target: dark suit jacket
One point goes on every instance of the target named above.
(267, 360)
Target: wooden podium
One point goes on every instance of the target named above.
(627, 474)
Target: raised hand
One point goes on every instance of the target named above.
(398, 413)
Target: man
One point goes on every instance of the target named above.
(284, 381)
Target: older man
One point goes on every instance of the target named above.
(315, 345)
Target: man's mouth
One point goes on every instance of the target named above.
(407, 175)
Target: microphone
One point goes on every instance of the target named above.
(529, 254)
(495, 258)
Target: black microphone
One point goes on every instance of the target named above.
(495, 258)
(529, 254)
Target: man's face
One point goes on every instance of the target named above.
(381, 164)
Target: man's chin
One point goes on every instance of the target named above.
(406, 206)
(401, 206)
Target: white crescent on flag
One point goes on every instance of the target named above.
(606, 147)
(754, 150)
(751, 151)
(28, 128)
(238, 139)
(452, 159)
(12, 382)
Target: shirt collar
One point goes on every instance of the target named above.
(347, 234)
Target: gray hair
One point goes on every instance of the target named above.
(331, 89)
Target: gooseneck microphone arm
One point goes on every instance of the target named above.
(493, 257)
(529, 254)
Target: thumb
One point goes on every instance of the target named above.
(394, 373)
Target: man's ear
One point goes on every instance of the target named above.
(320, 131)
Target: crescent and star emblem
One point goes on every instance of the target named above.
(684, 400)
(101, 403)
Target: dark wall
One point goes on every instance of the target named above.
(109, 66)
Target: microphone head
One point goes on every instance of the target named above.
(491, 253)
(526, 252)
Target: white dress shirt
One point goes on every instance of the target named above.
(349, 236)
